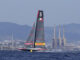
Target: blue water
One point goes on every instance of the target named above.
(20, 55)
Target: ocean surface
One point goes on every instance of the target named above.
(23, 55)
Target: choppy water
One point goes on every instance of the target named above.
(20, 55)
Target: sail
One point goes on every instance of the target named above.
(35, 41)
(30, 41)
(39, 31)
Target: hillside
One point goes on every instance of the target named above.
(20, 32)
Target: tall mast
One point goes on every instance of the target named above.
(60, 37)
(35, 35)
(35, 29)
(54, 39)
(12, 42)
(64, 40)
(54, 32)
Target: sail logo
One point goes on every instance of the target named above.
(40, 14)
(40, 19)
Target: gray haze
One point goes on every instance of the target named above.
(25, 11)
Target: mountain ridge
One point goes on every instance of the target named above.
(21, 32)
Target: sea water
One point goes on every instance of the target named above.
(23, 55)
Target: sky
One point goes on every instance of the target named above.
(24, 12)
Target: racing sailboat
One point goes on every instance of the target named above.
(35, 41)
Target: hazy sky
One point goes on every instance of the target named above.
(24, 12)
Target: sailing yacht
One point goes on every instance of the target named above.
(35, 41)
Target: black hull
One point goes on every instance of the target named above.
(28, 50)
